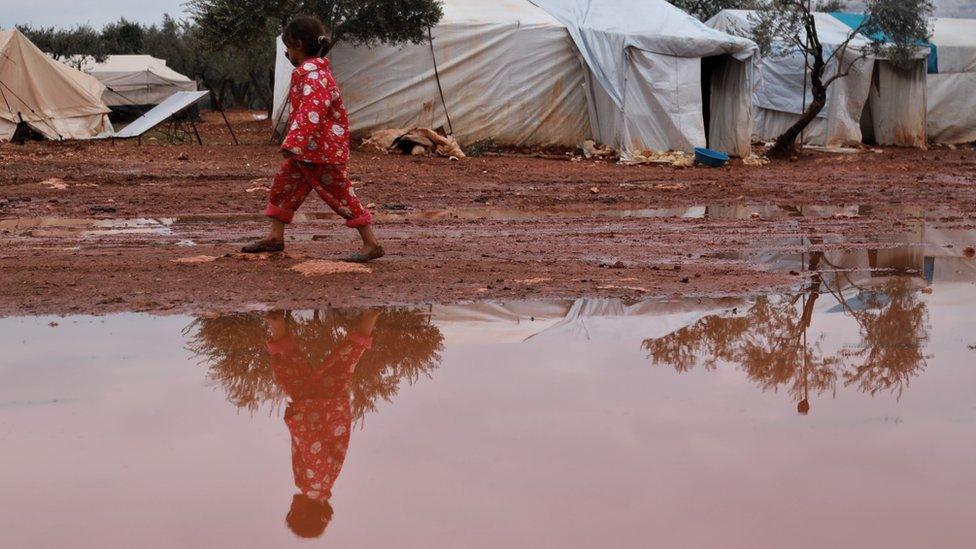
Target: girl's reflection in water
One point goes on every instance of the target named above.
(318, 415)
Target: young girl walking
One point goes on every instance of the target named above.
(316, 147)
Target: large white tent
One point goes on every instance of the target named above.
(55, 100)
(137, 80)
(537, 73)
(508, 71)
(951, 85)
(875, 98)
(646, 74)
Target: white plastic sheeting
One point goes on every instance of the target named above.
(512, 72)
(894, 104)
(508, 70)
(158, 114)
(54, 99)
(137, 79)
(644, 67)
(951, 94)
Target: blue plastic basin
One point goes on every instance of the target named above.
(708, 157)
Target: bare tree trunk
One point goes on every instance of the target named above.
(785, 145)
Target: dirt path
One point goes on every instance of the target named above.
(95, 228)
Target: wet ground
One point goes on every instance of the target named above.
(96, 228)
(555, 353)
(841, 412)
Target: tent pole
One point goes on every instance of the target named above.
(196, 133)
(220, 107)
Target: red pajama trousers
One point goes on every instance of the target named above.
(296, 179)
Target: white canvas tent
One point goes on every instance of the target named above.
(891, 110)
(525, 75)
(508, 70)
(54, 99)
(951, 85)
(645, 75)
(137, 80)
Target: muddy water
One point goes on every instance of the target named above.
(842, 414)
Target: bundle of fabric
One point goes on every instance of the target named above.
(416, 141)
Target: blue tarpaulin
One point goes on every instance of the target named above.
(855, 20)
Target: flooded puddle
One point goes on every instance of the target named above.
(165, 226)
(839, 414)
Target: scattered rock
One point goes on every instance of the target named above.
(193, 260)
(533, 280)
(319, 267)
(183, 156)
(594, 190)
(55, 183)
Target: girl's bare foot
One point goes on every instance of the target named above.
(366, 254)
(264, 245)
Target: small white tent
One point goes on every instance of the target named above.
(527, 75)
(54, 99)
(137, 80)
(891, 110)
(951, 85)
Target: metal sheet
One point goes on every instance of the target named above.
(172, 105)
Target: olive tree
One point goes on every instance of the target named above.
(894, 30)
(237, 22)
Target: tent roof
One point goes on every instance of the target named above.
(520, 12)
(40, 88)
(134, 64)
(832, 32)
(651, 25)
(604, 31)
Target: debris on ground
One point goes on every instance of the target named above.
(319, 267)
(416, 141)
(479, 148)
(755, 160)
(256, 189)
(594, 190)
(591, 150)
(183, 156)
(55, 183)
(196, 259)
(531, 281)
(969, 252)
(102, 209)
(677, 159)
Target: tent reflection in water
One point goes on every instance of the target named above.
(135, 83)
(538, 74)
(53, 99)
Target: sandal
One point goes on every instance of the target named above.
(265, 245)
(375, 253)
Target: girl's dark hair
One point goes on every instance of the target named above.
(309, 32)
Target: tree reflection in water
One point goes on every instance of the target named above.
(769, 341)
(406, 346)
(332, 368)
